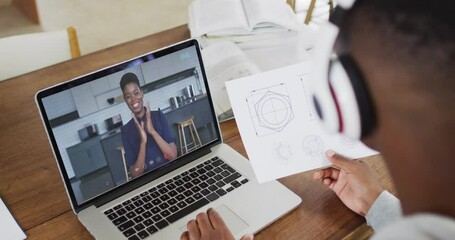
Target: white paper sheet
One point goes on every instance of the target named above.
(9, 229)
(278, 126)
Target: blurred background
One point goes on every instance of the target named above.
(99, 24)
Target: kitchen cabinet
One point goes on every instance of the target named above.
(100, 86)
(101, 100)
(110, 143)
(84, 99)
(86, 157)
(96, 183)
(151, 71)
(93, 96)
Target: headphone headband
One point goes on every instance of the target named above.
(340, 94)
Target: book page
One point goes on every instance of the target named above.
(279, 126)
(270, 13)
(225, 61)
(217, 16)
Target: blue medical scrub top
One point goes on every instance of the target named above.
(131, 141)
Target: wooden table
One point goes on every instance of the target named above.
(31, 186)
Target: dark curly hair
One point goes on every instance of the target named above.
(420, 33)
(128, 78)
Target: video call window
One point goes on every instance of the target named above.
(97, 136)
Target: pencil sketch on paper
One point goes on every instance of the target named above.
(282, 151)
(270, 109)
(347, 142)
(313, 146)
(304, 78)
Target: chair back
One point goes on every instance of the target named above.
(25, 53)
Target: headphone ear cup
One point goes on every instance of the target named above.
(344, 96)
(357, 110)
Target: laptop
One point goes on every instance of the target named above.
(89, 126)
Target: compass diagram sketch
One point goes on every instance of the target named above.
(313, 146)
(347, 142)
(270, 109)
(304, 78)
(279, 125)
(282, 151)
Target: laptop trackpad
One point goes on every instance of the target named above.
(234, 223)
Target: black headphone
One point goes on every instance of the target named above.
(340, 95)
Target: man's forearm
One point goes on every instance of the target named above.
(385, 210)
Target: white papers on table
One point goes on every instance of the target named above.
(240, 17)
(9, 229)
(225, 61)
(278, 125)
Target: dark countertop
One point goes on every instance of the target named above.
(101, 137)
(186, 102)
(110, 133)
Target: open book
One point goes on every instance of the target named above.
(240, 17)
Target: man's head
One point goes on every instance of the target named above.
(406, 52)
(132, 93)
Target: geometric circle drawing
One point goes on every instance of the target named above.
(270, 109)
(282, 151)
(313, 146)
(347, 142)
(274, 111)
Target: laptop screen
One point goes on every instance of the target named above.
(130, 120)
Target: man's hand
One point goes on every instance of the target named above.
(208, 226)
(352, 181)
(148, 116)
(140, 130)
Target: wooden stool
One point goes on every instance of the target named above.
(127, 171)
(195, 140)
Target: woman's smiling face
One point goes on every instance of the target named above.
(133, 96)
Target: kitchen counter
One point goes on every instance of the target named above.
(111, 133)
(185, 103)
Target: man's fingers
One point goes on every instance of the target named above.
(338, 160)
(203, 222)
(193, 230)
(185, 236)
(247, 237)
(322, 174)
(216, 220)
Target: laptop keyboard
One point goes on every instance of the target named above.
(156, 208)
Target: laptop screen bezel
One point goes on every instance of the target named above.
(147, 177)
